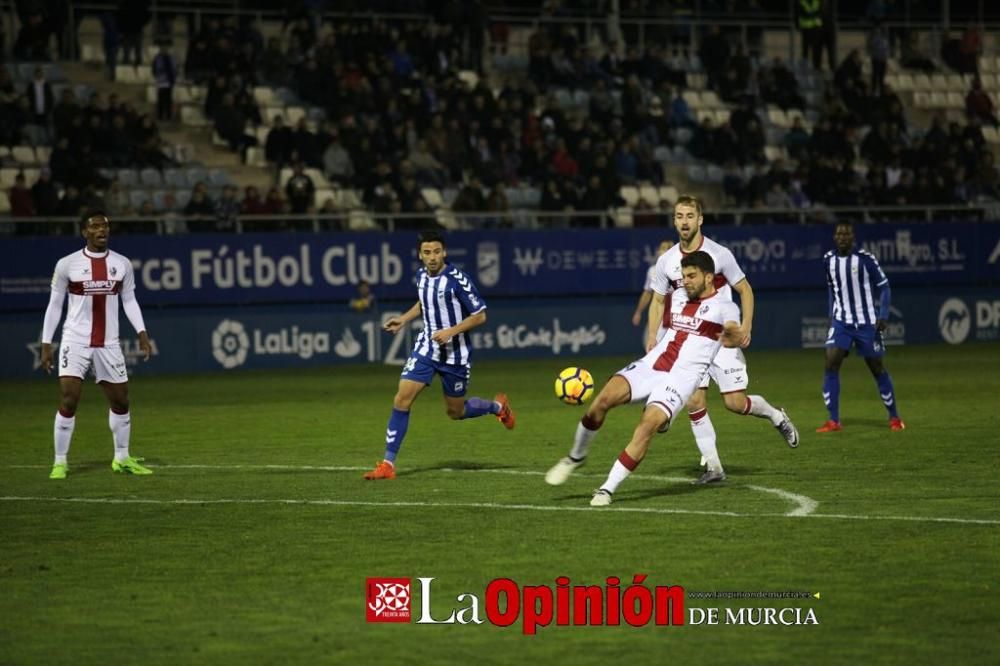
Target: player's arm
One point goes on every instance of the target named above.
(644, 298)
(394, 324)
(134, 314)
(745, 291)
(732, 334)
(53, 313)
(473, 320)
(656, 305)
(884, 296)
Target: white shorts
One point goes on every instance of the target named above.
(668, 391)
(108, 363)
(728, 371)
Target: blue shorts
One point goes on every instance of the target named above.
(454, 378)
(865, 337)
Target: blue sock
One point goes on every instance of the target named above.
(478, 407)
(887, 393)
(831, 394)
(395, 432)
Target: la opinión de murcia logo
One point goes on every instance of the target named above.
(616, 602)
(388, 600)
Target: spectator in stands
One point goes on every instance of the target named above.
(230, 123)
(364, 300)
(274, 204)
(41, 100)
(878, 51)
(171, 221)
(32, 42)
(311, 83)
(978, 105)
(911, 57)
(680, 112)
(165, 76)
(274, 65)
(226, 209)
(797, 140)
(71, 202)
(252, 203)
(278, 147)
(300, 190)
(200, 210)
(44, 195)
(116, 200)
(337, 163)
(133, 15)
(430, 172)
(714, 53)
(780, 87)
(198, 64)
(21, 202)
(304, 147)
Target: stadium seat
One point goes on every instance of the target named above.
(432, 196)
(264, 96)
(151, 94)
(722, 116)
(447, 219)
(922, 100)
(649, 194)
(320, 197)
(661, 153)
(193, 115)
(706, 113)
(196, 175)
(174, 178)
(623, 217)
(469, 77)
(23, 154)
(183, 198)
(4, 203)
(151, 178)
(669, 194)
(4, 152)
(125, 74)
(697, 81)
(715, 174)
(955, 100)
(697, 174)
(711, 100)
(955, 83)
(990, 134)
(7, 177)
(90, 53)
(938, 100)
(777, 117)
(774, 153)
(218, 177)
(293, 114)
(137, 197)
(361, 220)
(905, 83)
(182, 94)
(255, 157)
(127, 177)
(693, 99)
(630, 194)
(922, 82)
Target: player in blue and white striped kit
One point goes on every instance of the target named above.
(450, 306)
(857, 319)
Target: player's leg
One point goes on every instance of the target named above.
(395, 430)
(109, 367)
(455, 383)
(617, 391)
(73, 364)
(838, 344)
(873, 353)
(701, 424)
(655, 418)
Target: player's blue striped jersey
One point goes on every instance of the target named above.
(852, 283)
(446, 299)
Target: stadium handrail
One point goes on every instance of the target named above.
(244, 223)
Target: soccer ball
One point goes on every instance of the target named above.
(574, 386)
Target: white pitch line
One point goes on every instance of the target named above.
(804, 510)
(804, 505)
(478, 505)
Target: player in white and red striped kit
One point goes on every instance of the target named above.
(95, 279)
(669, 374)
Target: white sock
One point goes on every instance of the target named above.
(619, 472)
(583, 437)
(757, 406)
(704, 437)
(63, 434)
(121, 430)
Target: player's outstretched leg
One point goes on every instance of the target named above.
(755, 405)
(653, 420)
(616, 392)
(503, 411)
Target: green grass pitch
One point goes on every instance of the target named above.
(903, 544)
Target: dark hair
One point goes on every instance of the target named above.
(430, 237)
(849, 225)
(89, 213)
(701, 260)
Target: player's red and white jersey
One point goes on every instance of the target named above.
(93, 282)
(694, 335)
(667, 279)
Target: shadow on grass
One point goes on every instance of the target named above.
(463, 465)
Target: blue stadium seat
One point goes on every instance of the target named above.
(136, 197)
(151, 178)
(195, 175)
(183, 198)
(174, 177)
(697, 174)
(218, 177)
(127, 177)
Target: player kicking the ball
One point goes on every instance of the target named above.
(670, 373)
(451, 306)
